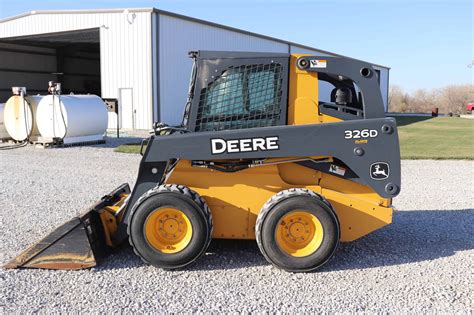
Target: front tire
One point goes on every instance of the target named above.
(170, 226)
(297, 230)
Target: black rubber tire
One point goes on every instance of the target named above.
(279, 205)
(187, 201)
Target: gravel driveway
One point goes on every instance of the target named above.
(423, 262)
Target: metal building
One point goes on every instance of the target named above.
(138, 56)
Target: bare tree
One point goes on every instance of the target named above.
(449, 99)
(453, 98)
(397, 99)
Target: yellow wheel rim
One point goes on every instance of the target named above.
(168, 230)
(299, 233)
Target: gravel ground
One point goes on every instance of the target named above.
(423, 262)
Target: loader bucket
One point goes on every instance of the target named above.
(77, 244)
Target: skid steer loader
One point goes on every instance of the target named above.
(258, 156)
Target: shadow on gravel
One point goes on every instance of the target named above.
(221, 255)
(230, 254)
(111, 142)
(415, 236)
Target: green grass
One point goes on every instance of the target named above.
(441, 138)
(128, 148)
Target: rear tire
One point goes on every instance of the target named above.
(170, 226)
(297, 230)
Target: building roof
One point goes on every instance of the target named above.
(176, 15)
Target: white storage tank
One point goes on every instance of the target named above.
(19, 117)
(72, 118)
(3, 131)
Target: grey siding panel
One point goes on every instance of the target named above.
(26, 48)
(28, 61)
(177, 38)
(78, 65)
(11, 58)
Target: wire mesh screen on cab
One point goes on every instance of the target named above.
(245, 96)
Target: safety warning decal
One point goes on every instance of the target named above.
(317, 63)
(339, 170)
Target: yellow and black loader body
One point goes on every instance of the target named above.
(259, 155)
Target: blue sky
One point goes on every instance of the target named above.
(427, 43)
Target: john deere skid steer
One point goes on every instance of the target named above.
(258, 156)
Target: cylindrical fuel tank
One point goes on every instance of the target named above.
(71, 116)
(3, 131)
(19, 117)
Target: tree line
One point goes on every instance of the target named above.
(448, 99)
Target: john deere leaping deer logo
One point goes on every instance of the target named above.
(379, 170)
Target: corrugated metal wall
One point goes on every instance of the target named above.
(178, 37)
(125, 50)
